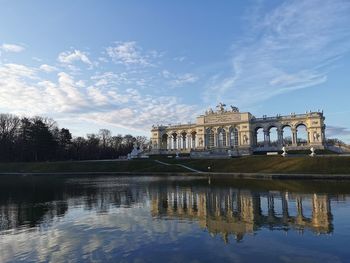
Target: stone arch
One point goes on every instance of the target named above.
(164, 141)
(221, 137)
(209, 138)
(193, 139)
(259, 136)
(287, 135)
(174, 138)
(233, 136)
(272, 132)
(302, 136)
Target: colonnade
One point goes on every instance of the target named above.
(244, 207)
(179, 141)
(293, 140)
(221, 138)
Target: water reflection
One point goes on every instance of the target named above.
(109, 218)
(237, 212)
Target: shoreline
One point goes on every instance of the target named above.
(268, 176)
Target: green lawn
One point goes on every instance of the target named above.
(94, 166)
(249, 164)
(275, 164)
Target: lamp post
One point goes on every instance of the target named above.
(209, 174)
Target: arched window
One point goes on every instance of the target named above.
(302, 135)
(209, 138)
(193, 138)
(164, 141)
(234, 137)
(174, 141)
(221, 138)
(259, 137)
(273, 135)
(287, 135)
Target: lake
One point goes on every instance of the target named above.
(172, 219)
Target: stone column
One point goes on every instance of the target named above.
(294, 137)
(215, 139)
(227, 138)
(266, 138)
(280, 136)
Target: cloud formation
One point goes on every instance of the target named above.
(287, 48)
(69, 57)
(104, 98)
(11, 48)
(47, 68)
(129, 53)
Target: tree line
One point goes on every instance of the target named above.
(40, 139)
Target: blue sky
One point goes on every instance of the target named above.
(125, 65)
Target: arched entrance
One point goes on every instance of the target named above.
(164, 142)
(209, 138)
(287, 135)
(193, 139)
(234, 137)
(273, 136)
(174, 141)
(302, 134)
(259, 137)
(221, 138)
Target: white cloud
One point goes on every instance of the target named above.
(141, 112)
(184, 79)
(128, 53)
(180, 59)
(110, 79)
(179, 80)
(69, 57)
(67, 85)
(23, 91)
(47, 68)
(11, 48)
(97, 96)
(288, 48)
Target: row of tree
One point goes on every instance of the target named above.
(40, 139)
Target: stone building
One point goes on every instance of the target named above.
(235, 133)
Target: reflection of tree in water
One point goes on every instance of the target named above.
(221, 210)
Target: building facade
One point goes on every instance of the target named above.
(238, 133)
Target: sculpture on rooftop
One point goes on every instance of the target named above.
(234, 109)
(221, 107)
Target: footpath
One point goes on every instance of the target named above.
(181, 165)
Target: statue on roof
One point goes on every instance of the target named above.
(234, 109)
(221, 107)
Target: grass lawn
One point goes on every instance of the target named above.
(275, 164)
(89, 166)
(248, 164)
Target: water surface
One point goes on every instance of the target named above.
(172, 219)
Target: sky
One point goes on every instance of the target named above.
(125, 65)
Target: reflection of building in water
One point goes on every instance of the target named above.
(238, 212)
